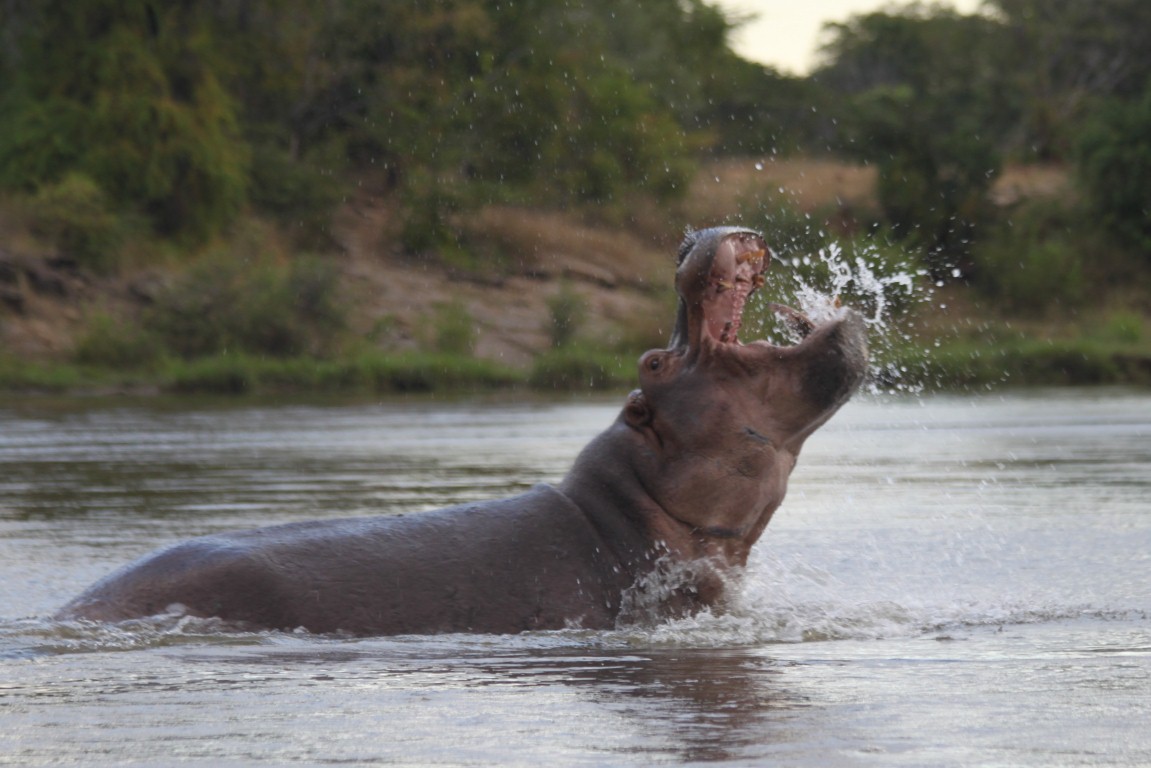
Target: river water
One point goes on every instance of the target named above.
(951, 581)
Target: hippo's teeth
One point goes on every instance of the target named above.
(747, 256)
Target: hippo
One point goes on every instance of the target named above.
(655, 516)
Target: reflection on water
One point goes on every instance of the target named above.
(951, 581)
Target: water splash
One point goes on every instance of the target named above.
(670, 588)
(33, 637)
(878, 282)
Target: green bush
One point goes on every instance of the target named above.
(427, 205)
(1123, 327)
(77, 216)
(417, 372)
(566, 314)
(454, 330)
(147, 120)
(297, 194)
(223, 305)
(222, 374)
(1114, 162)
(574, 367)
(1031, 262)
(112, 343)
(19, 374)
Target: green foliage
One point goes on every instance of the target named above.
(368, 372)
(1031, 262)
(1124, 327)
(576, 367)
(614, 138)
(182, 113)
(76, 215)
(220, 374)
(17, 375)
(1114, 162)
(1027, 362)
(1065, 54)
(299, 195)
(567, 312)
(926, 105)
(131, 100)
(223, 305)
(436, 372)
(428, 203)
(116, 343)
(453, 329)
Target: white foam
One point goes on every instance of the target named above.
(881, 289)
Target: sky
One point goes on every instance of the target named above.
(786, 33)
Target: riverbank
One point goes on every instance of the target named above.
(369, 373)
(535, 299)
(1012, 360)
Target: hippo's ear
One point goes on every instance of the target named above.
(636, 411)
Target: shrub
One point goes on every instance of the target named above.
(223, 305)
(1123, 327)
(1031, 262)
(566, 312)
(149, 121)
(77, 216)
(1114, 162)
(578, 368)
(112, 343)
(224, 374)
(454, 330)
(301, 197)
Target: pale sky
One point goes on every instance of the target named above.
(786, 33)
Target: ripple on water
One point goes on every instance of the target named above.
(752, 618)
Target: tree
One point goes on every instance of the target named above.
(1114, 163)
(125, 93)
(925, 103)
(1066, 53)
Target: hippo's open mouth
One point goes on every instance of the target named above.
(715, 284)
(736, 272)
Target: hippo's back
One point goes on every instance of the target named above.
(529, 562)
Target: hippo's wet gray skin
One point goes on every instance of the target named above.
(689, 474)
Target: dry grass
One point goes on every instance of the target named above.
(1019, 182)
(727, 185)
(553, 244)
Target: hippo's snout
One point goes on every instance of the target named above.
(836, 354)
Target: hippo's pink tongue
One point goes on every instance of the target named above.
(748, 277)
(736, 272)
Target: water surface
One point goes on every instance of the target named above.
(952, 580)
